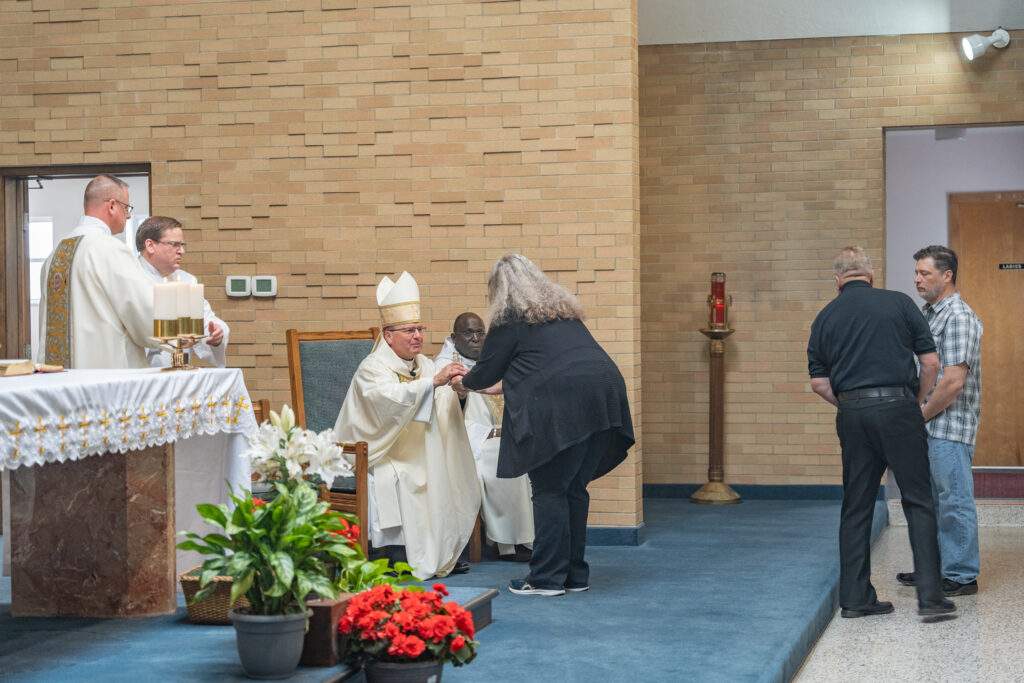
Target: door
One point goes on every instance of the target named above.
(41, 205)
(986, 229)
(14, 308)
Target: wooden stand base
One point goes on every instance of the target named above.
(715, 493)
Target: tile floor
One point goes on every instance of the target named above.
(983, 644)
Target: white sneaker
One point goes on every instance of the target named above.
(577, 589)
(521, 587)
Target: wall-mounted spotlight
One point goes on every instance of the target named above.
(974, 46)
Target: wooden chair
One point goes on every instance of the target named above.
(261, 409)
(352, 497)
(320, 369)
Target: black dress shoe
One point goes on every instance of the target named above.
(951, 587)
(936, 608)
(907, 578)
(880, 607)
(459, 568)
(521, 554)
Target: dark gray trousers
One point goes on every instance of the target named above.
(560, 507)
(875, 433)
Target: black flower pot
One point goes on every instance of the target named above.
(403, 672)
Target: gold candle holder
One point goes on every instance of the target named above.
(177, 344)
(196, 326)
(165, 329)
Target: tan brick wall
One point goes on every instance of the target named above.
(330, 142)
(762, 159)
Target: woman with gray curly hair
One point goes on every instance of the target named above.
(566, 420)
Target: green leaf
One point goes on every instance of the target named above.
(219, 540)
(200, 548)
(239, 564)
(303, 583)
(284, 570)
(215, 514)
(240, 587)
(322, 586)
(207, 576)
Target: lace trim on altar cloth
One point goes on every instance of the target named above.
(127, 428)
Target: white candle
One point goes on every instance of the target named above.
(195, 302)
(182, 297)
(165, 301)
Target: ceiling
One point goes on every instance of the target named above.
(713, 21)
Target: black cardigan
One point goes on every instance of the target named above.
(560, 388)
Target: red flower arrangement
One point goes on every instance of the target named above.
(409, 625)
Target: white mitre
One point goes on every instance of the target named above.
(398, 301)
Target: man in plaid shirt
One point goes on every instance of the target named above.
(951, 411)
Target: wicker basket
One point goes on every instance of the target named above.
(214, 609)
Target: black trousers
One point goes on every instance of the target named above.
(875, 433)
(560, 507)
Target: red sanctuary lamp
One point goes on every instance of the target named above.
(717, 305)
(716, 491)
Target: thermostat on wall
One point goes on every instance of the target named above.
(238, 286)
(264, 285)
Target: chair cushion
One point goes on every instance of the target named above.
(327, 370)
(344, 485)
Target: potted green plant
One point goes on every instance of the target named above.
(278, 553)
(408, 634)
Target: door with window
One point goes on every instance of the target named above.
(42, 206)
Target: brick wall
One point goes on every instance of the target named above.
(330, 142)
(762, 159)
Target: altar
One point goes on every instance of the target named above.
(101, 469)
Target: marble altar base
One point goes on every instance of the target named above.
(94, 537)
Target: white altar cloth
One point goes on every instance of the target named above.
(71, 415)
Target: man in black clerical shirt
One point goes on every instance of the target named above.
(861, 359)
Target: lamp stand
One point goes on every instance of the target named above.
(716, 491)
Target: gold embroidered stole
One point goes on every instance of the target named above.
(58, 303)
(496, 405)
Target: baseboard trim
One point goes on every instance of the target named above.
(615, 535)
(758, 491)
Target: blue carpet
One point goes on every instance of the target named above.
(731, 593)
(715, 593)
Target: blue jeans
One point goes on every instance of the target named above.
(953, 492)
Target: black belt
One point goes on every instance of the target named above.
(874, 392)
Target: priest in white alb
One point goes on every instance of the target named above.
(160, 241)
(96, 303)
(423, 489)
(507, 504)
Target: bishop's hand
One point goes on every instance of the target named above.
(449, 372)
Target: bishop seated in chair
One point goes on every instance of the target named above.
(423, 488)
(507, 508)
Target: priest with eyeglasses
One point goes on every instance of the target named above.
(424, 496)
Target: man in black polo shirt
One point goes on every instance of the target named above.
(861, 359)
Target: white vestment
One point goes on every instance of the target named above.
(423, 491)
(507, 505)
(111, 302)
(209, 355)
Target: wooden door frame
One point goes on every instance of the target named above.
(14, 285)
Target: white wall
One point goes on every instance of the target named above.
(712, 21)
(921, 171)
